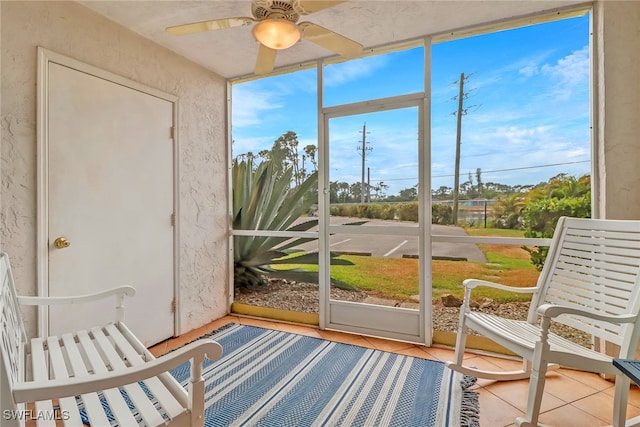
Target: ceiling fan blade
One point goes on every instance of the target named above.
(266, 60)
(216, 24)
(311, 6)
(326, 38)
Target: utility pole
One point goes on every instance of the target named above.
(363, 153)
(368, 185)
(461, 112)
(456, 179)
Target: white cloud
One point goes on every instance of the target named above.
(571, 70)
(529, 70)
(566, 74)
(250, 103)
(516, 135)
(251, 144)
(345, 72)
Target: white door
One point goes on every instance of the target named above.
(110, 195)
(392, 125)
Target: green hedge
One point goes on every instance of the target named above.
(407, 211)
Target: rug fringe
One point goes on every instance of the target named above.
(470, 407)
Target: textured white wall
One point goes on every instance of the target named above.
(73, 30)
(617, 28)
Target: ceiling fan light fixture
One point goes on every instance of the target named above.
(276, 33)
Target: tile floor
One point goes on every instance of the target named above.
(571, 398)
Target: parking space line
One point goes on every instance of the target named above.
(342, 241)
(396, 248)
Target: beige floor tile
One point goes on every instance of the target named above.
(490, 364)
(516, 393)
(634, 395)
(437, 353)
(592, 380)
(159, 349)
(600, 405)
(415, 351)
(567, 389)
(633, 406)
(345, 338)
(387, 345)
(570, 416)
(495, 412)
(255, 322)
(297, 329)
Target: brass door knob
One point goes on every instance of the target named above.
(61, 243)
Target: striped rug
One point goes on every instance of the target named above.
(272, 378)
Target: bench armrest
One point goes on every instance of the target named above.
(474, 283)
(470, 284)
(30, 391)
(120, 291)
(552, 310)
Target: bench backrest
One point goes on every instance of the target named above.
(594, 265)
(12, 335)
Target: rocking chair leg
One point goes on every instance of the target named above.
(463, 330)
(461, 341)
(536, 389)
(620, 400)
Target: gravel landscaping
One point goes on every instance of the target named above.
(304, 297)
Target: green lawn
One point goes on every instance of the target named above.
(397, 278)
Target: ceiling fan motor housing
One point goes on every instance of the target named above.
(282, 9)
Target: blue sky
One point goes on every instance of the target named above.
(528, 109)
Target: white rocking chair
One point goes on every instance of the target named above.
(590, 281)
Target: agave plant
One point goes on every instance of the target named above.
(263, 200)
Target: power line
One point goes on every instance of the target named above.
(497, 170)
(523, 168)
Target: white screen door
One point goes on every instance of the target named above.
(367, 144)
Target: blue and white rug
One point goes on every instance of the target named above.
(271, 378)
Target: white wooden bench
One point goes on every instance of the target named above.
(102, 375)
(590, 281)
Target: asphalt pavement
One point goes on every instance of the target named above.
(397, 245)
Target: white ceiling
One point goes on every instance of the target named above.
(232, 52)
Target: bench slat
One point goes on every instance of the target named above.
(92, 403)
(40, 372)
(167, 379)
(165, 395)
(149, 413)
(159, 391)
(114, 397)
(68, 405)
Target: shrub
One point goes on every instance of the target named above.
(408, 211)
(441, 214)
(541, 217)
(388, 211)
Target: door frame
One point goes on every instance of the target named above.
(399, 323)
(45, 57)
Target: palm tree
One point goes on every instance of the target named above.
(507, 212)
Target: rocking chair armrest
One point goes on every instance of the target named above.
(474, 283)
(553, 310)
(30, 391)
(121, 291)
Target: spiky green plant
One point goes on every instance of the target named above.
(264, 200)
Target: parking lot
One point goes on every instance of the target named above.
(398, 246)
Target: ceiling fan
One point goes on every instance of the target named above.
(276, 28)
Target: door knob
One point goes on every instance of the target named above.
(61, 243)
